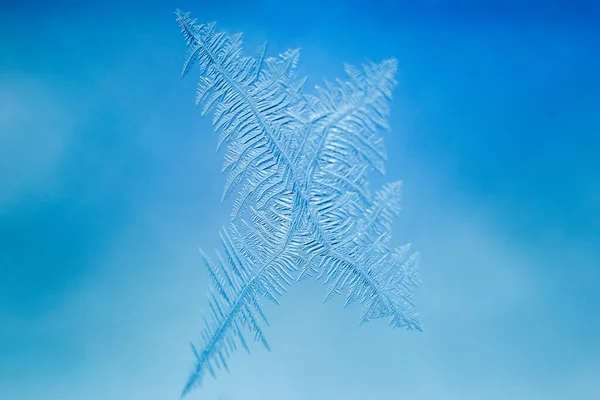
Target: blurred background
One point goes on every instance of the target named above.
(109, 182)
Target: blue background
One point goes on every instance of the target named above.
(109, 182)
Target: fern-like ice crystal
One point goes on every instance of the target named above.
(303, 207)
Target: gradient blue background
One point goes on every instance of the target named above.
(109, 182)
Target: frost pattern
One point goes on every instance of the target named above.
(298, 165)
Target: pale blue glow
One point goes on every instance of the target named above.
(108, 185)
